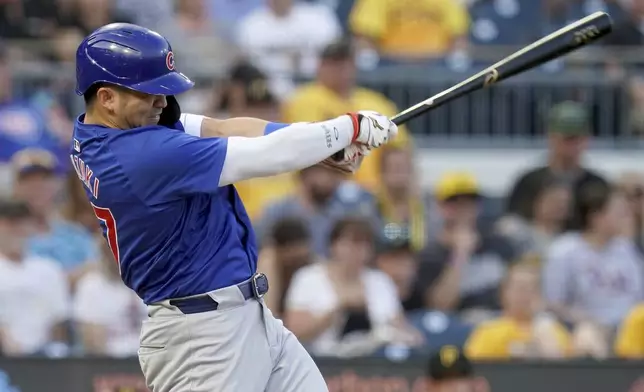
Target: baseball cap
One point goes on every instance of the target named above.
(449, 363)
(33, 160)
(569, 118)
(455, 184)
(388, 245)
(254, 85)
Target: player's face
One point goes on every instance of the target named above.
(139, 110)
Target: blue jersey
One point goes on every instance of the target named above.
(171, 228)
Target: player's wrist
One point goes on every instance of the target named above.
(355, 121)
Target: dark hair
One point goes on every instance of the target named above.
(594, 199)
(357, 227)
(90, 94)
(12, 209)
(289, 231)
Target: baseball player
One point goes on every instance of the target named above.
(160, 184)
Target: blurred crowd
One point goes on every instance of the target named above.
(371, 264)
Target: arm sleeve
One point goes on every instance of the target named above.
(293, 148)
(192, 123)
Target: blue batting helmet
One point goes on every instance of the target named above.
(130, 56)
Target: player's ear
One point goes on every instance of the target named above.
(106, 97)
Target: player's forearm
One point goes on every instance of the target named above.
(294, 147)
(203, 126)
(240, 126)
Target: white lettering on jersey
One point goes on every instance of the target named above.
(86, 175)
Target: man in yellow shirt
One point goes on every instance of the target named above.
(630, 338)
(334, 93)
(520, 332)
(411, 29)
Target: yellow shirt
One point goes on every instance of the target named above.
(630, 338)
(410, 27)
(257, 193)
(497, 338)
(313, 102)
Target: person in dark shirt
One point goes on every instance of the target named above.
(396, 258)
(568, 135)
(463, 269)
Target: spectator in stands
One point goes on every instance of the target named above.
(402, 208)
(27, 19)
(229, 13)
(34, 294)
(88, 15)
(107, 313)
(546, 222)
(23, 124)
(463, 269)
(568, 130)
(157, 15)
(333, 93)
(450, 370)
(411, 30)
(55, 238)
(396, 258)
(342, 307)
(77, 209)
(632, 186)
(322, 196)
(281, 40)
(523, 330)
(207, 52)
(630, 338)
(246, 93)
(595, 275)
(628, 32)
(287, 249)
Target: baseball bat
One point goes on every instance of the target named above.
(550, 47)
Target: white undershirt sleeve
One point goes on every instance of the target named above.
(293, 148)
(192, 123)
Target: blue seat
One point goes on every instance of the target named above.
(440, 329)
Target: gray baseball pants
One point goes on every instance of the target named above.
(240, 347)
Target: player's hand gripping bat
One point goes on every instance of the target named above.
(563, 41)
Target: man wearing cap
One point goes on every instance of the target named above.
(67, 243)
(464, 268)
(451, 371)
(568, 135)
(335, 92)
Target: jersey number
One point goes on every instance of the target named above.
(106, 216)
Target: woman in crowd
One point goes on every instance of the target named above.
(342, 307)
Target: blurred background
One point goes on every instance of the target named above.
(506, 228)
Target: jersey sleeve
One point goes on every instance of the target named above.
(163, 165)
